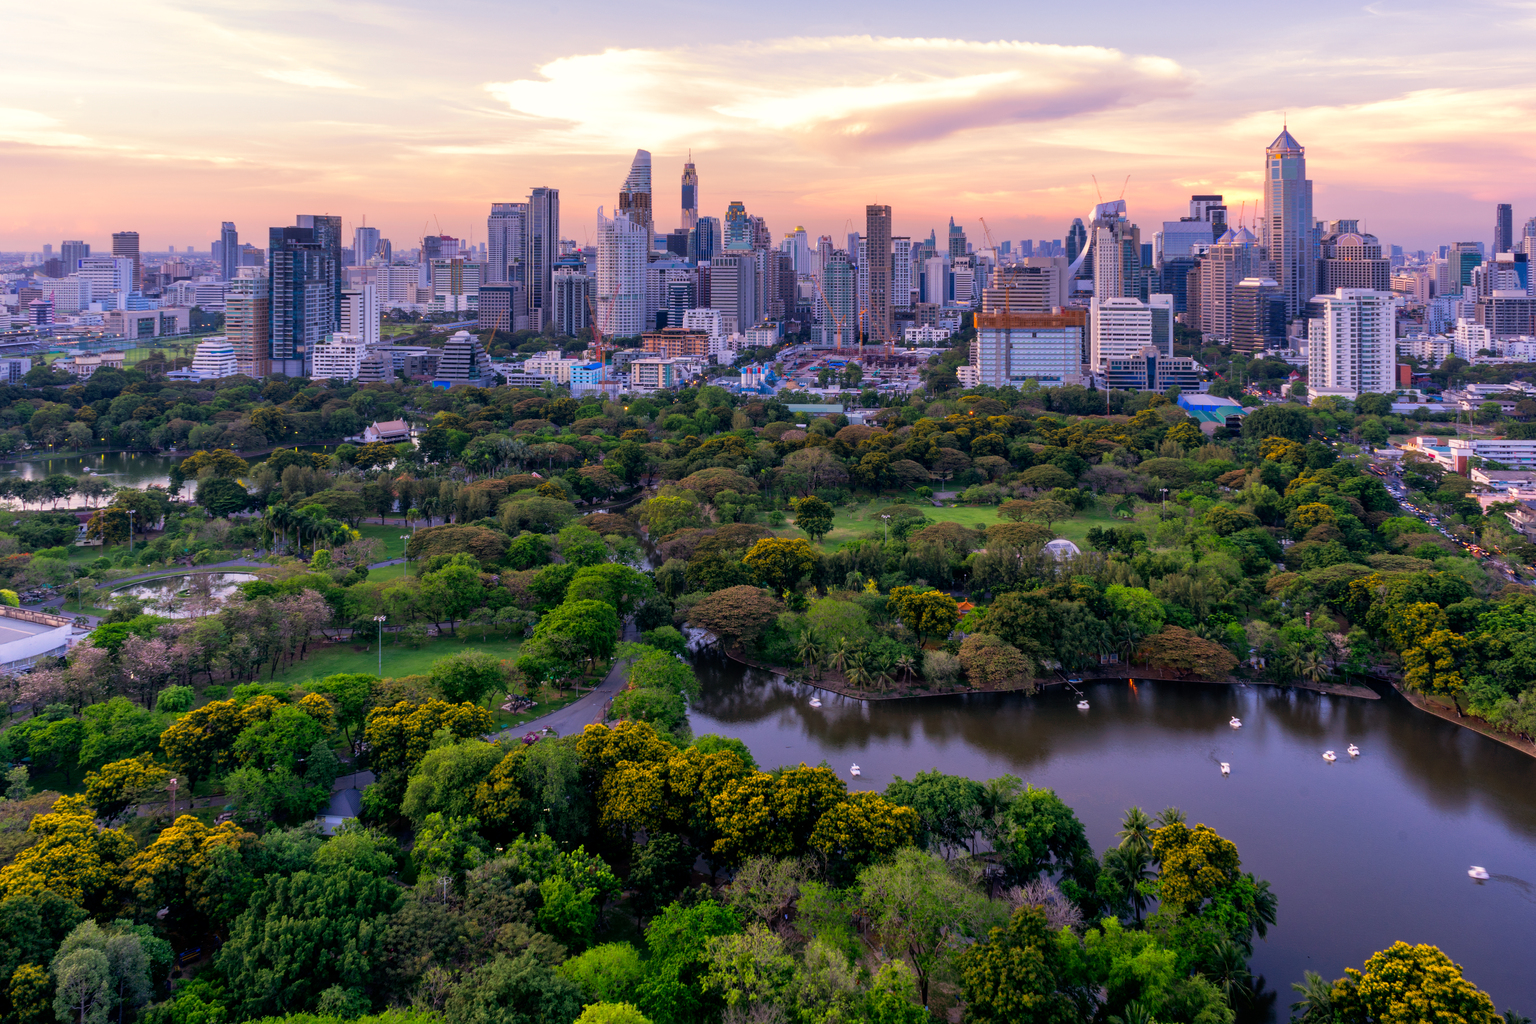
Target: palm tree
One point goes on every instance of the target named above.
(1131, 866)
(809, 651)
(857, 672)
(1170, 816)
(1134, 1013)
(1228, 970)
(840, 655)
(1316, 1002)
(1135, 831)
(906, 665)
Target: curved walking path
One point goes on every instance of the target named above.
(588, 710)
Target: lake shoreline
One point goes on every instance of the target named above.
(1034, 686)
(1472, 722)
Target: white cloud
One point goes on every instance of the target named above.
(33, 128)
(861, 91)
(310, 78)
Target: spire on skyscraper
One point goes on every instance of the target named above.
(690, 195)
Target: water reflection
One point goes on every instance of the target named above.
(1362, 852)
(185, 597)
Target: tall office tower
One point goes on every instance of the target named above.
(635, 196)
(229, 251)
(1503, 228)
(681, 297)
(1014, 347)
(823, 253)
(1076, 240)
(901, 275)
(738, 226)
(957, 243)
(360, 314)
(72, 252)
(543, 250)
(1179, 238)
(936, 286)
(1352, 344)
(1116, 251)
(1258, 315)
(304, 289)
(1352, 259)
(506, 232)
(1034, 284)
(1462, 259)
(777, 275)
(1212, 210)
(620, 285)
(1121, 327)
(837, 309)
(365, 244)
(1288, 220)
(798, 244)
(690, 195)
(126, 245)
(733, 282)
(1235, 256)
(762, 238)
(877, 248)
(704, 240)
(1527, 243)
(248, 324)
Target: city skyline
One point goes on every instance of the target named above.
(1007, 120)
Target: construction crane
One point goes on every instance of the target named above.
(597, 343)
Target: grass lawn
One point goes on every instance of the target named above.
(399, 660)
(386, 573)
(394, 547)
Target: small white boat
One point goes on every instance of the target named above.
(1226, 769)
(815, 702)
(1082, 705)
(854, 771)
(1481, 874)
(1352, 750)
(1329, 755)
(1236, 723)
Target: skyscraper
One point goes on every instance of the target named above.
(304, 293)
(1076, 240)
(690, 195)
(621, 262)
(248, 324)
(957, 243)
(1352, 259)
(543, 250)
(877, 246)
(365, 244)
(635, 196)
(126, 245)
(1288, 220)
(229, 251)
(72, 252)
(1503, 228)
(837, 304)
(506, 233)
(1235, 257)
(704, 240)
(738, 226)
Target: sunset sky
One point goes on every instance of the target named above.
(168, 117)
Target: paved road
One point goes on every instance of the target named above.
(574, 717)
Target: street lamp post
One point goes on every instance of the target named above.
(171, 786)
(380, 620)
(406, 549)
(130, 531)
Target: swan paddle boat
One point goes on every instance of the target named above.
(815, 702)
(1236, 723)
(1481, 874)
(854, 771)
(1352, 750)
(1082, 705)
(1226, 769)
(1329, 755)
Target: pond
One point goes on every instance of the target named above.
(122, 469)
(1361, 852)
(185, 597)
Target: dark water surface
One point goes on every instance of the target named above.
(1360, 852)
(121, 469)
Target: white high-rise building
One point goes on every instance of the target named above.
(397, 285)
(339, 356)
(215, 358)
(621, 259)
(797, 243)
(1352, 346)
(708, 320)
(936, 280)
(901, 272)
(70, 294)
(360, 313)
(507, 237)
(109, 276)
(1121, 327)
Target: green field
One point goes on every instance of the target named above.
(394, 547)
(399, 660)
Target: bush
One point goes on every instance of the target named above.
(940, 668)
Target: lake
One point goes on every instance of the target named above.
(185, 597)
(1361, 852)
(123, 469)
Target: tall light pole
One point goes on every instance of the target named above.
(380, 620)
(130, 531)
(406, 550)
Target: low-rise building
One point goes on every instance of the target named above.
(215, 358)
(388, 431)
(551, 365)
(1152, 370)
(339, 357)
(655, 374)
(27, 636)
